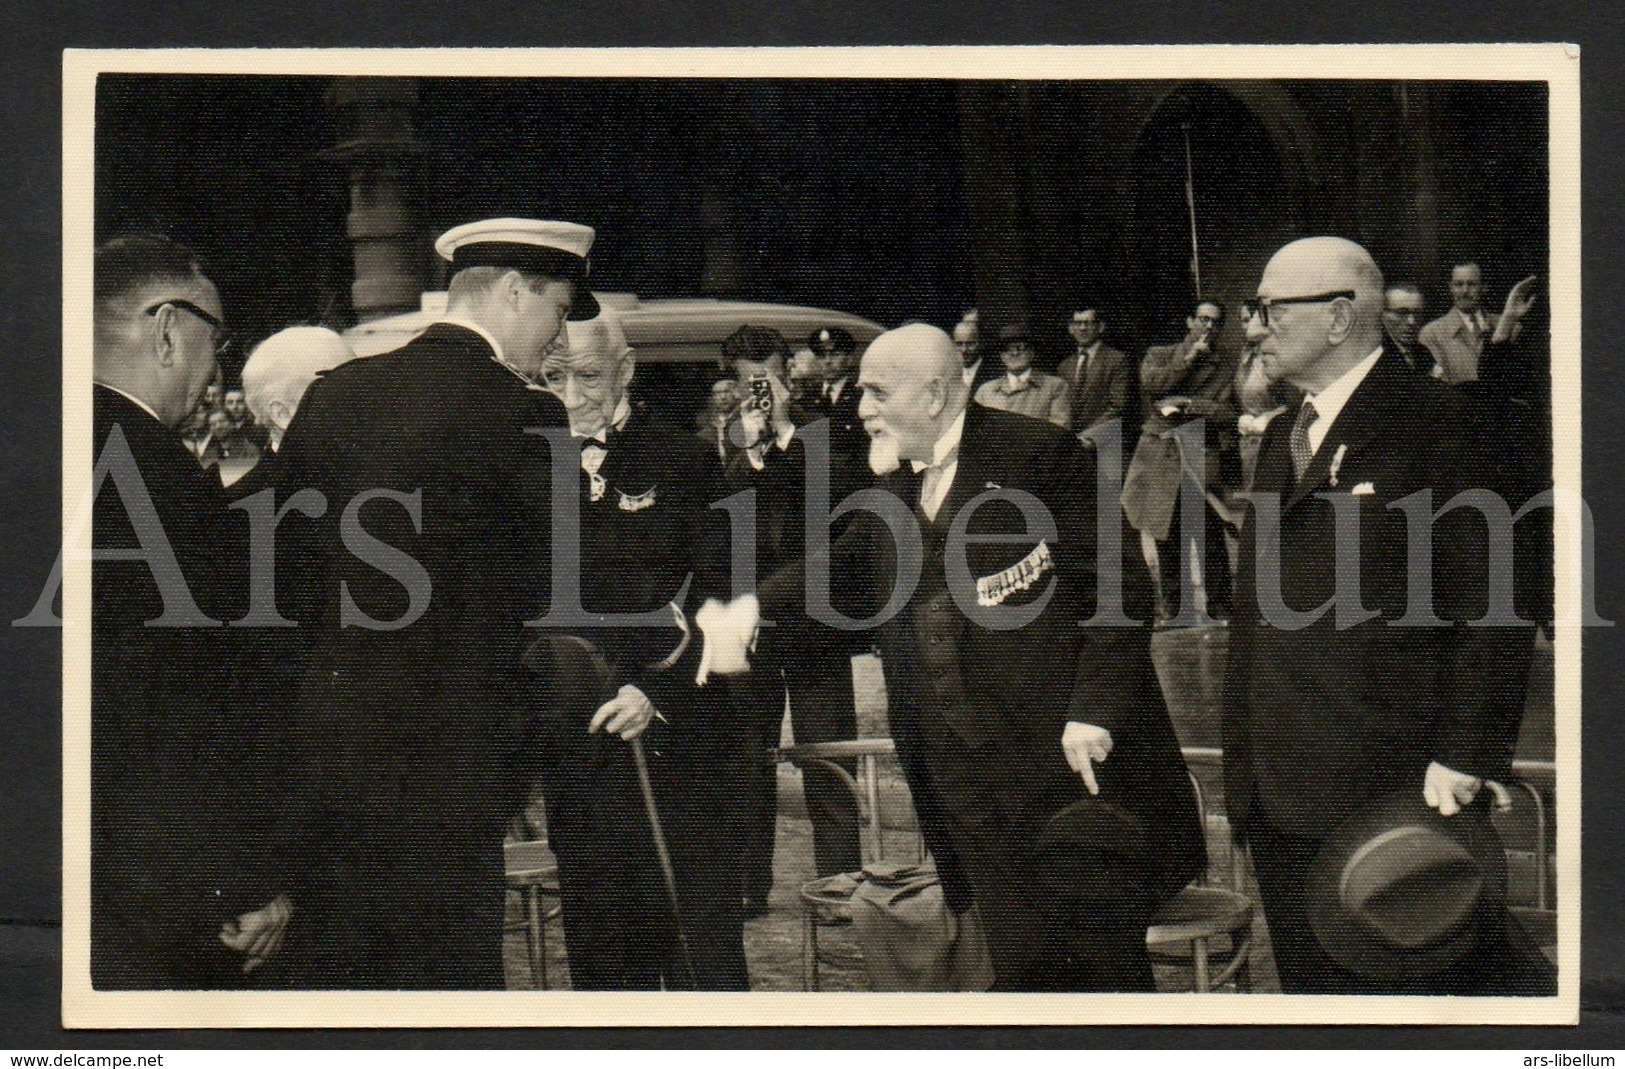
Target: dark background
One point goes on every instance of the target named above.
(30, 404)
(317, 199)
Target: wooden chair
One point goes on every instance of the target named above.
(1186, 926)
(832, 895)
(532, 873)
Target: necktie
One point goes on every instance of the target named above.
(933, 485)
(1302, 453)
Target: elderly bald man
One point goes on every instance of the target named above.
(650, 540)
(1041, 759)
(1329, 710)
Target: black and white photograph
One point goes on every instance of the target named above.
(733, 536)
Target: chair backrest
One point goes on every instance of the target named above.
(866, 788)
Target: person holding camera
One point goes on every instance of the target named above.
(1179, 384)
(816, 672)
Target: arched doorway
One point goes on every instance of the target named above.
(1248, 190)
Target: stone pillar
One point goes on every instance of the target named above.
(373, 121)
(992, 140)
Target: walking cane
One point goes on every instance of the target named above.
(664, 855)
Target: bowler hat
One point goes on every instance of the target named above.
(1091, 856)
(1400, 891)
(578, 679)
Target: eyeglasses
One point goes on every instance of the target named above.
(222, 336)
(1261, 306)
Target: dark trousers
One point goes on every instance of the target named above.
(619, 929)
(994, 811)
(1504, 962)
(819, 684)
(619, 933)
(399, 904)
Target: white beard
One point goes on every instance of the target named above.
(883, 458)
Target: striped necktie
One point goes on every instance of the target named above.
(1302, 451)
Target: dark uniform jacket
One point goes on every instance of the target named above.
(1321, 718)
(1016, 687)
(420, 726)
(181, 812)
(424, 714)
(847, 437)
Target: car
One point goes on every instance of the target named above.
(678, 341)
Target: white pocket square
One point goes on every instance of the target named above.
(1363, 490)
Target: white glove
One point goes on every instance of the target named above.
(730, 635)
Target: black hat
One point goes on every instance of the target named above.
(831, 340)
(1398, 890)
(578, 678)
(1091, 856)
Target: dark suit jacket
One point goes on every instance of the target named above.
(179, 824)
(847, 438)
(653, 530)
(425, 721)
(1105, 392)
(780, 518)
(1022, 685)
(1320, 719)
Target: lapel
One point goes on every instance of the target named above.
(624, 453)
(1370, 410)
(975, 467)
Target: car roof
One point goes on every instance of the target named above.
(674, 330)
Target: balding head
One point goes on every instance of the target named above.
(1310, 343)
(282, 367)
(913, 389)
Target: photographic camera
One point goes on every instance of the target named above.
(761, 394)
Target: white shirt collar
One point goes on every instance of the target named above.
(1014, 381)
(1473, 320)
(1092, 348)
(835, 390)
(134, 400)
(1330, 401)
(946, 445)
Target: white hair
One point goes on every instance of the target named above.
(284, 365)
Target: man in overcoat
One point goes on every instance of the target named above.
(1012, 716)
(186, 881)
(1336, 697)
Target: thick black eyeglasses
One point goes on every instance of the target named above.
(1261, 306)
(222, 336)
